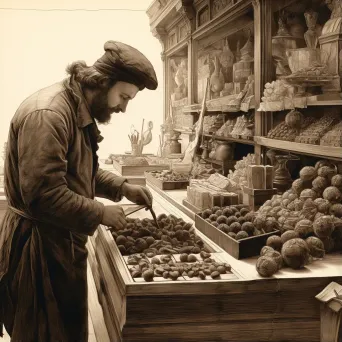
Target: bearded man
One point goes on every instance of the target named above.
(51, 179)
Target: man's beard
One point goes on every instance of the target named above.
(100, 110)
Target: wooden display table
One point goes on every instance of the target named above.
(245, 307)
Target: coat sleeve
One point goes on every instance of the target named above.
(108, 185)
(43, 140)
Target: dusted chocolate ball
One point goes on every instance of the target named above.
(266, 249)
(324, 226)
(231, 220)
(213, 217)
(266, 266)
(275, 242)
(295, 253)
(241, 235)
(316, 247)
(148, 275)
(227, 212)
(235, 227)
(223, 227)
(304, 228)
(206, 213)
(288, 235)
(221, 219)
(276, 256)
(248, 227)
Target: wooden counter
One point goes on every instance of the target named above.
(244, 308)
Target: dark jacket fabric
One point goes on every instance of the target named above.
(51, 180)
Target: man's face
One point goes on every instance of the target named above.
(115, 100)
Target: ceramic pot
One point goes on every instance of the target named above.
(175, 146)
(224, 151)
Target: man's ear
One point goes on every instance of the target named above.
(104, 84)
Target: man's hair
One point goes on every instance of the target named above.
(88, 76)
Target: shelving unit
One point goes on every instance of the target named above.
(231, 139)
(314, 150)
(207, 22)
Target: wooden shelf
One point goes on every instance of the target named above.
(315, 150)
(240, 141)
(183, 131)
(212, 161)
(215, 105)
(312, 101)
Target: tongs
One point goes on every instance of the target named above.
(154, 216)
(132, 208)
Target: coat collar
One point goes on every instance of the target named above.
(83, 116)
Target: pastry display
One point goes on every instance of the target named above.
(333, 137)
(287, 133)
(314, 132)
(169, 176)
(226, 129)
(212, 123)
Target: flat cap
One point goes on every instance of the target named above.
(122, 61)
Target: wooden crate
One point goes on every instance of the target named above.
(239, 249)
(166, 185)
(136, 170)
(255, 198)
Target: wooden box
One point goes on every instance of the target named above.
(166, 185)
(239, 249)
(255, 198)
(138, 170)
(190, 206)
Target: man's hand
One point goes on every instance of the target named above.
(137, 194)
(114, 217)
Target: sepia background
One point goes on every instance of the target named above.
(39, 38)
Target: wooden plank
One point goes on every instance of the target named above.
(271, 330)
(223, 138)
(315, 150)
(91, 331)
(227, 22)
(226, 308)
(98, 326)
(113, 332)
(116, 290)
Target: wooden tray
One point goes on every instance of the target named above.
(166, 185)
(239, 249)
(138, 170)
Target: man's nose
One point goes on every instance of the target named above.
(123, 107)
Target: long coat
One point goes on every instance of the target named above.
(51, 179)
